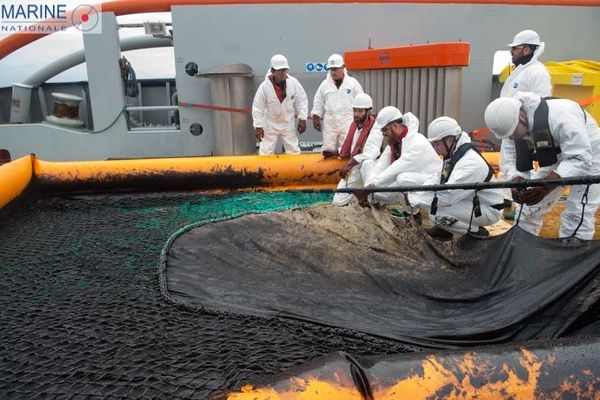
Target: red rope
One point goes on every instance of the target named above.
(216, 108)
(219, 108)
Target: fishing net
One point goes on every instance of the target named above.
(83, 315)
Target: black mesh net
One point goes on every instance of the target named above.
(366, 270)
(82, 313)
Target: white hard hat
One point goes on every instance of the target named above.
(526, 37)
(388, 114)
(442, 127)
(502, 116)
(362, 100)
(335, 61)
(279, 61)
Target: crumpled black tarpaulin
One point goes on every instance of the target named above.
(367, 271)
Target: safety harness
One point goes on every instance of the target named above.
(449, 165)
(543, 149)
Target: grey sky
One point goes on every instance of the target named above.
(150, 63)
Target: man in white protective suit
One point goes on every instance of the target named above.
(276, 103)
(529, 74)
(526, 74)
(408, 159)
(454, 212)
(363, 142)
(565, 141)
(332, 106)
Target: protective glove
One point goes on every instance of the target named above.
(330, 153)
(517, 191)
(533, 195)
(536, 194)
(363, 199)
(260, 133)
(349, 165)
(317, 122)
(301, 126)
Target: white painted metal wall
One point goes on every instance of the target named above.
(426, 92)
(213, 36)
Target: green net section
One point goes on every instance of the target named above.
(82, 313)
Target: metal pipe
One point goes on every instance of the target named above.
(140, 25)
(155, 128)
(78, 57)
(151, 108)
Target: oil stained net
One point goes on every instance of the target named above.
(83, 315)
(368, 271)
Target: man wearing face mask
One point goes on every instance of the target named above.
(363, 142)
(565, 141)
(277, 102)
(408, 159)
(332, 106)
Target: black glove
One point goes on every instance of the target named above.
(517, 191)
(301, 126)
(363, 199)
(534, 195)
(330, 153)
(317, 122)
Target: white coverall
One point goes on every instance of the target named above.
(417, 162)
(278, 118)
(454, 207)
(531, 77)
(334, 106)
(579, 142)
(371, 150)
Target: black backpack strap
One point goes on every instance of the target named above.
(449, 166)
(490, 168)
(458, 154)
(524, 155)
(543, 142)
